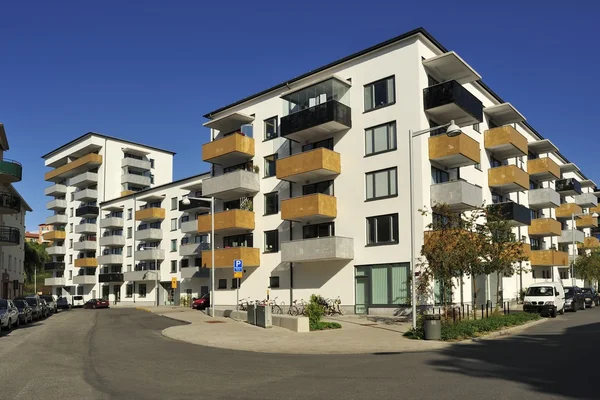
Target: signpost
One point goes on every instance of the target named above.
(238, 270)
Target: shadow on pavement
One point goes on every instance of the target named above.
(559, 364)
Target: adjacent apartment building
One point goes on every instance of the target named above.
(311, 180)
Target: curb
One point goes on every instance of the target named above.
(143, 309)
(506, 332)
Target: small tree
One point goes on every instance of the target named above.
(35, 257)
(587, 265)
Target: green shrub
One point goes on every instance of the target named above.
(315, 311)
(319, 326)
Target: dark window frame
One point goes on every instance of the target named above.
(265, 213)
(330, 225)
(274, 161)
(222, 283)
(395, 137)
(316, 184)
(365, 109)
(265, 138)
(388, 196)
(394, 233)
(274, 282)
(275, 248)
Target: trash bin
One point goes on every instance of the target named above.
(251, 314)
(263, 316)
(432, 327)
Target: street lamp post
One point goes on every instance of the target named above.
(573, 215)
(451, 130)
(186, 201)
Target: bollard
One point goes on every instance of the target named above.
(482, 311)
(487, 315)
(508, 307)
(504, 308)
(454, 314)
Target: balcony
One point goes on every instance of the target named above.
(85, 245)
(110, 259)
(57, 205)
(548, 258)
(229, 150)
(505, 142)
(134, 163)
(86, 195)
(230, 222)
(89, 262)
(73, 168)
(526, 250)
(112, 222)
(55, 235)
(450, 101)
(55, 190)
(224, 257)
(543, 169)
(545, 227)
(314, 207)
(149, 234)
(110, 278)
(587, 221)
(568, 187)
(151, 254)
(87, 211)
(318, 249)
(141, 276)
(515, 213)
(62, 281)
(454, 152)
(112, 241)
(194, 272)
(508, 179)
(566, 210)
(316, 122)
(150, 214)
(9, 236)
(195, 205)
(84, 180)
(543, 198)
(54, 266)
(9, 203)
(193, 249)
(56, 250)
(590, 242)
(58, 219)
(136, 179)
(457, 195)
(586, 200)
(10, 171)
(569, 235)
(84, 280)
(127, 192)
(86, 228)
(190, 226)
(312, 165)
(233, 185)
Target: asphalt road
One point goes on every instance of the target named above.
(121, 354)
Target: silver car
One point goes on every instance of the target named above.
(9, 315)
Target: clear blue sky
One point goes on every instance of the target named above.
(148, 70)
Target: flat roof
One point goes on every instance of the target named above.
(90, 134)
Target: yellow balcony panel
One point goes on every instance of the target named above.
(150, 214)
(543, 169)
(526, 250)
(229, 150)
(595, 210)
(55, 235)
(548, 258)
(73, 168)
(313, 207)
(587, 221)
(545, 227)
(86, 262)
(453, 152)
(317, 164)
(508, 178)
(224, 257)
(566, 209)
(230, 221)
(505, 142)
(589, 243)
(127, 192)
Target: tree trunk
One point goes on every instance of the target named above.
(497, 289)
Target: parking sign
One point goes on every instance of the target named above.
(238, 268)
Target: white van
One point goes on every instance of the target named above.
(546, 298)
(77, 301)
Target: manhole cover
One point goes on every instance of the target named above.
(214, 322)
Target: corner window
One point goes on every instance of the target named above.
(152, 163)
(128, 251)
(380, 139)
(173, 266)
(382, 229)
(173, 224)
(270, 165)
(271, 128)
(272, 241)
(222, 284)
(273, 282)
(129, 232)
(129, 213)
(382, 184)
(380, 94)
(174, 203)
(271, 203)
(173, 245)
(476, 127)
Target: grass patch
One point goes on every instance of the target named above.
(474, 328)
(321, 326)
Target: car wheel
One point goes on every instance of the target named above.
(553, 313)
(9, 326)
(562, 311)
(583, 306)
(18, 322)
(592, 304)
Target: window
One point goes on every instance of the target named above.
(232, 205)
(71, 275)
(476, 127)
(327, 144)
(271, 203)
(71, 212)
(273, 282)
(173, 245)
(129, 213)
(238, 241)
(318, 230)
(270, 165)
(73, 196)
(380, 94)
(185, 218)
(174, 203)
(382, 229)
(129, 290)
(380, 139)
(152, 163)
(70, 258)
(388, 284)
(531, 155)
(478, 166)
(222, 284)
(272, 241)
(535, 244)
(234, 283)
(495, 163)
(325, 187)
(382, 184)
(173, 224)
(129, 268)
(129, 232)
(185, 263)
(564, 274)
(70, 243)
(173, 266)
(439, 176)
(142, 290)
(128, 251)
(270, 128)
(497, 198)
(70, 228)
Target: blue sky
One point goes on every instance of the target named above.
(148, 70)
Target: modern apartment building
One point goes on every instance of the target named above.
(311, 179)
(12, 224)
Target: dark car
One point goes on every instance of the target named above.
(574, 299)
(202, 303)
(25, 311)
(96, 303)
(51, 302)
(45, 308)
(63, 304)
(591, 297)
(35, 304)
(9, 315)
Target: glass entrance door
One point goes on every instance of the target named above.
(362, 295)
(105, 292)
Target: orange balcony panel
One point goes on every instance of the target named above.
(589, 243)
(505, 142)
(310, 165)
(453, 152)
(74, 167)
(86, 262)
(566, 210)
(127, 192)
(587, 221)
(55, 235)
(150, 214)
(508, 178)
(229, 221)
(543, 169)
(229, 150)
(549, 258)
(545, 227)
(224, 257)
(313, 207)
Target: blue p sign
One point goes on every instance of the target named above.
(238, 266)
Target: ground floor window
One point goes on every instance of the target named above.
(129, 290)
(222, 284)
(80, 290)
(142, 290)
(442, 294)
(564, 274)
(382, 285)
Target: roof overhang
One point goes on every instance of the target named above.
(193, 186)
(230, 122)
(569, 167)
(135, 151)
(450, 67)
(504, 114)
(543, 146)
(150, 197)
(313, 83)
(114, 207)
(587, 183)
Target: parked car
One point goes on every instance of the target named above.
(63, 304)
(546, 298)
(77, 301)
(591, 297)
(35, 304)
(51, 300)
(202, 303)
(45, 308)
(25, 311)
(96, 303)
(574, 299)
(9, 315)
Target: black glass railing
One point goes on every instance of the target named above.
(110, 277)
(54, 266)
(330, 111)
(568, 185)
(452, 92)
(87, 210)
(512, 211)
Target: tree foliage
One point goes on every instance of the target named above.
(587, 265)
(35, 257)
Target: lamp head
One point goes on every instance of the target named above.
(453, 129)
(185, 201)
(595, 215)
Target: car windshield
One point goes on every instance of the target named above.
(569, 292)
(77, 297)
(586, 290)
(20, 303)
(3, 304)
(31, 301)
(540, 291)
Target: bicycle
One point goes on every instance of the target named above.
(243, 304)
(293, 310)
(275, 308)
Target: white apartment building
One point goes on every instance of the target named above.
(12, 225)
(85, 172)
(311, 179)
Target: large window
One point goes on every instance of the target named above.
(173, 224)
(173, 245)
(272, 241)
(319, 230)
(142, 290)
(382, 184)
(326, 143)
(271, 203)
(129, 290)
(439, 176)
(380, 94)
(382, 229)
(388, 284)
(174, 203)
(325, 187)
(270, 165)
(380, 139)
(173, 266)
(270, 128)
(238, 241)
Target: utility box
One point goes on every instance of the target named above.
(251, 312)
(263, 316)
